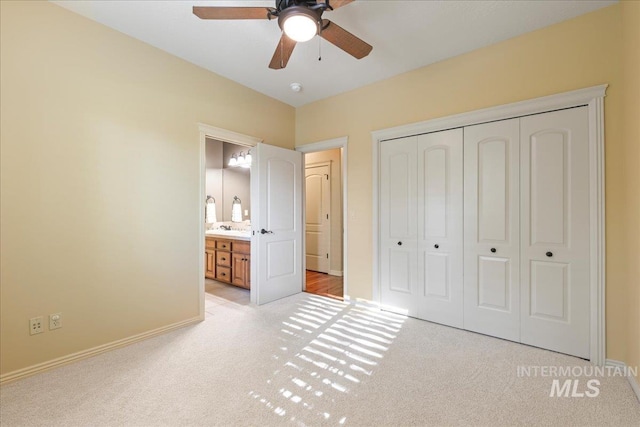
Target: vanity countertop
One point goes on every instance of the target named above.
(229, 234)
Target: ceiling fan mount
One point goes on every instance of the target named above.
(312, 5)
(300, 21)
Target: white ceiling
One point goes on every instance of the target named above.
(405, 35)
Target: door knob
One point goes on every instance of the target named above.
(436, 246)
(493, 250)
(263, 231)
(399, 243)
(549, 254)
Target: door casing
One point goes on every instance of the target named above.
(323, 146)
(224, 135)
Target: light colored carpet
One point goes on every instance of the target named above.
(308, 360)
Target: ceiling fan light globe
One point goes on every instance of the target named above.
(300, 28)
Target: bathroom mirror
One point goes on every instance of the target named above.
(224, 183)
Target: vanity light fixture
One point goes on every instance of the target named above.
(241, 160)
(247, 160)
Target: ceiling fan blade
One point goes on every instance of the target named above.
(339, 3)
(283, 53)
(213, 12)
(345, 40)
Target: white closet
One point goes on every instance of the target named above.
(486, 228)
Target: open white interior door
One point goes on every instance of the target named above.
(276, 244)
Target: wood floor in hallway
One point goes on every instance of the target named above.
(324, 284)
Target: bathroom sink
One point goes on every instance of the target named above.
(245, 235)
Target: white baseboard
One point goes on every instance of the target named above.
(85, 354)
(335, 273)
(632, 380)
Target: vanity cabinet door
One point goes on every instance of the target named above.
(240, 266)
(210, 264)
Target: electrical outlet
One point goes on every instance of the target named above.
(55, 321)
(35, 325)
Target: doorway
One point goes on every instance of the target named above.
(227, 223)
(324, 227)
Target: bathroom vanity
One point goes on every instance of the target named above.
(228, 257)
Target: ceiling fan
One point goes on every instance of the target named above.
(300, 21)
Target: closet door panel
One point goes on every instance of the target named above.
(493, 190)
(439, 245)
(491, 229)
(437, 283)
(493, 283)
(398, 235)
(555, 231)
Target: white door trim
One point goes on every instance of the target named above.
(224, 135)
(330, 144)
(593, 97)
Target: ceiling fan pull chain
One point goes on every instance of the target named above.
(319, 48)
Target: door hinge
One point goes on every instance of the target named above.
(327, 175)
(327, 216)
(327, 256)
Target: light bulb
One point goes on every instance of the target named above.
(300, 28)
(233, 161)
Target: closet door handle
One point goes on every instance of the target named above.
(436, 246)
(399, 243)
(549, 254)
(493, 250)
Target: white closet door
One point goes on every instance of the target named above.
(398, 235)
(491, 229)
(555, 231)
(440, 222)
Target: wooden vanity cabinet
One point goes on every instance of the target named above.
(228, 261)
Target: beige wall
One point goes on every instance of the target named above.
(578, 53)
(335, 157)
(631, 137)
(99, 179)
